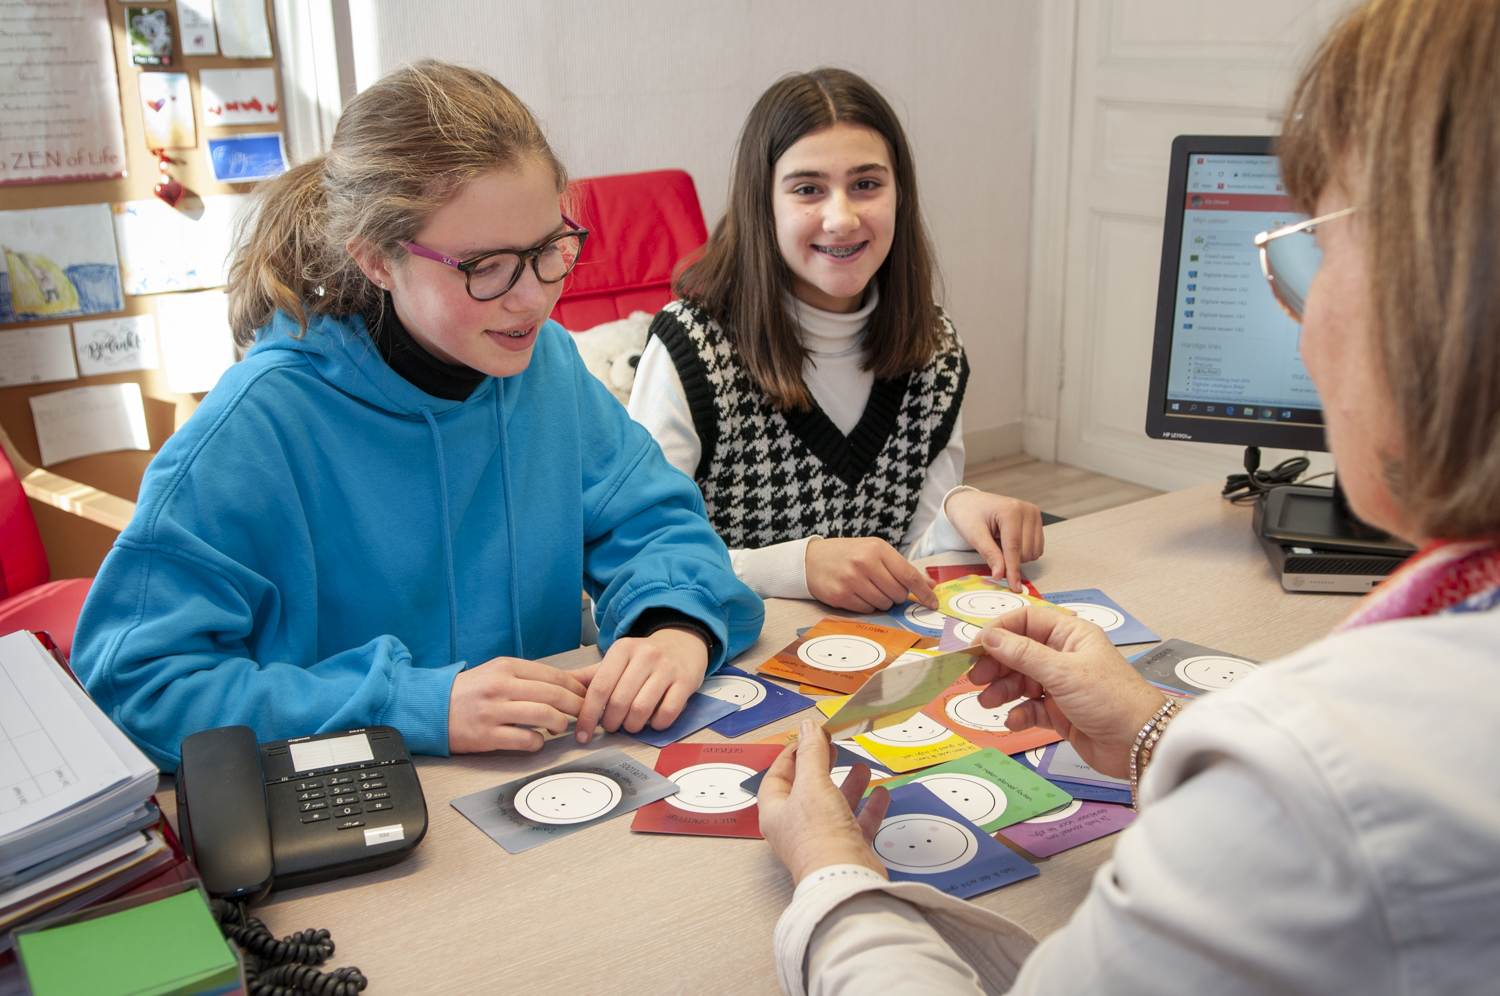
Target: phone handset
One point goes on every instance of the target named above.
(226, 830)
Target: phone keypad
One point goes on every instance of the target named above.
(344, 800)
(340, 780)
(376, 807)
(347, 811)
(315, 817)
(308, 807)
(306, 796)
(349, 824)
(367, 786)
(372, 796)
(304, 786)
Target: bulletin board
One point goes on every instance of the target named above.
(74, 545)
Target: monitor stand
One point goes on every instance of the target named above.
(1316, 543)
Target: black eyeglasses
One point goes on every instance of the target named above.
(492, 274)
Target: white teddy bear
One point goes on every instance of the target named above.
(611, 351)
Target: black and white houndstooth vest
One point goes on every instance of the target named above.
(769, 476)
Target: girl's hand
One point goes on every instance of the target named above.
(983, 520)
(1074, 681)
(489, 701)
(864, 574)
(642, 680)
(810, 822)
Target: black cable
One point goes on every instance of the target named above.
(1253, 484)
(284, 966)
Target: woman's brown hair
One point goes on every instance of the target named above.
(1406, 93)
(402, 148)
(740, 278)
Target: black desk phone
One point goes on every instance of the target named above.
(294, 812)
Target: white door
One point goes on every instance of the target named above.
(1127, 76)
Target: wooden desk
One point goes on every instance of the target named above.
(609, 911)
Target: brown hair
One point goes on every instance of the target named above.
(1408, 92)
(402, 148)
(740, 278)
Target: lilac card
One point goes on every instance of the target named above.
(759, 701)
(843, 760)
(1098, 608)
(1061, 760)
(699, 712)
(1078, 790)
(923, 839)
(1076, 823)
(918, 618)
(958, 634)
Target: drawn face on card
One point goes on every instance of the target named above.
(1212, 672)
(1098, 608)
(568, 797)
(920, 618)
(970, 796)
(917, 731)
(924, 844)
(712, 788)
(986, 604)
(966, 711)
(840, 652)
(741, 691)
(1191, 668)
(1102, 616)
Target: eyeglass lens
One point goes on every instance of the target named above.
(1291, 262)
(496, 274)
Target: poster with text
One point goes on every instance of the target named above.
(60, 119)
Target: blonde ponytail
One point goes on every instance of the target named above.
(402, 149)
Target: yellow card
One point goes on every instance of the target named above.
(917, 742)
(977, 600)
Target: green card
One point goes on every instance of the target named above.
(989, 789)
(170, 946)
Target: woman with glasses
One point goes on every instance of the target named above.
(1331, 824)
(387, 508)
(807, 381)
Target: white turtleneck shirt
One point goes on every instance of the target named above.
(834, 375)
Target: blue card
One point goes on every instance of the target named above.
(699, 712)
(759, 701)
(923, 839)
(918, 618)
(1097, 607)
(242, 158)
(843, 760)
(1078, 790)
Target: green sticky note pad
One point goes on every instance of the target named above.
(989, 789)
(165, 948)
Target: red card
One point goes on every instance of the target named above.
(950, 572)
(958, 708)
(709, 801)
(840, 654)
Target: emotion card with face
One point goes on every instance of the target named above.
(1187, 667)
(977, 600)
(1078, 790)
(917, 652)
(923, 839)
(758, 701)
(1098, 608)
(839, 654)
(700, 711)
(529, 811)
(1076, 823)
(958, 634)
(989, 789)
(709, 800)
(919, 741)
(957, 707)
(918, 618)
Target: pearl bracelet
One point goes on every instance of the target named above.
(1145, 743)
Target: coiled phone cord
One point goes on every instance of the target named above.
(284, 966)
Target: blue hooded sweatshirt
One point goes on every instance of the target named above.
(324, 546)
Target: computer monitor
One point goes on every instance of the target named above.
(1226, 364)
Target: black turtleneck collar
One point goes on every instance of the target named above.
(416, 365)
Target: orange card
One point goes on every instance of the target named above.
(958, 708)
(840, 654)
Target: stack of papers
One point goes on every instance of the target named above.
(76, 817)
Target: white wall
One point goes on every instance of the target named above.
(653, 84)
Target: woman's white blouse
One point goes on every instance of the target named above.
(1330, 825)
(841, 389)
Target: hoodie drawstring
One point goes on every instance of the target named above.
(437, 445)
(510, 518)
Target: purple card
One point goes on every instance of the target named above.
(843, 760)
(923, 839)
(1098, 608)
(759, 701)
(918, 618)
(699, 712)
(1062, 760)
(1076, 823)
(958, 634)
(1078, 790)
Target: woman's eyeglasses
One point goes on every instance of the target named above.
(490, 275)
(1290, 257)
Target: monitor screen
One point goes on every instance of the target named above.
(1231, 356)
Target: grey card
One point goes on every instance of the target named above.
(574, 796)
(1189, 668)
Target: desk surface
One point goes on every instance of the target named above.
(607, 910)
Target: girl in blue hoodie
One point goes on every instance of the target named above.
(390, 503)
